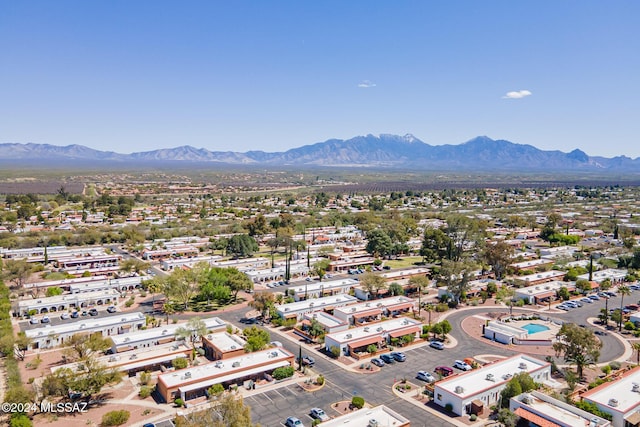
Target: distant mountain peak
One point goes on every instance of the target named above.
(383, 151)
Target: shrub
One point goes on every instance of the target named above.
(145, 391)
(629, 326)
(215, 390)
(448, 407)
(145, 377)
(357, 402)
(615, 365)
(595, 383)
(282, 373)
(179, 402)
(115, 418)
(473, 417)
(179, 363)
(606, 369)
(320, 380)
(20, 420)
(129, 303)
(335, 351)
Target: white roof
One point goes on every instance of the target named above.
(331, 284)
(620, 389)
(373, 329)
(316, 304)
(86, 325)
(370, 305)
(131, 338)
(325, 319)
(556, 410)
(225, 341)
(360, 418)
(543, 275)
(405, 272)
(552, 286)
(477, 380)
(69, 298)
(216, 370)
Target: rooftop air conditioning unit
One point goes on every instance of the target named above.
(366, 329)
(459, 389)
(489, 377)
(349, 336)
(522, 365)
(527, 399)
(613, 403)
(235, 364)
(635, 388)
(187, 374)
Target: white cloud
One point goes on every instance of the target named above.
(517, 94)
(366, 84)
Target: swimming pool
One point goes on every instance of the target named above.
(534, 328)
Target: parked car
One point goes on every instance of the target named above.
(45, 319)
(111, 309)
(34, 320)
(93, 312)
(437, 345)
(594, 297)
(308, 361)
(426, 376)
(319, 414)
(149, 425)
(587, 300)
(377, 362)
(65, 316)
(293, 422)
(445, 371)
(276, 343)
(398, 356)
(387, 358)
(462, 365)
(563, 307)
(603, 295)
(75, 315)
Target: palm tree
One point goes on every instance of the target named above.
(623, 290)
(636, 347)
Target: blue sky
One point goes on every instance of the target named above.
(133, 76)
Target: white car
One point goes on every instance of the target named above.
(462, 365)
(437, 345)
(319, 414)
(426, 376)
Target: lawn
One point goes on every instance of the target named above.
(404, 262)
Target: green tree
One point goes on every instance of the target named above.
(54, 291)
(16, 271)
(623, 290)
(435, 245)
(498, 256)
(242, 246)
(396, 289)
(455, 276)
(257, 338)
(379, 243)
(372, 283)
(81, 346)
(263, 302)
(320, 268)
(229, 411)
(182, 285)
(194, 329)
(578, 346)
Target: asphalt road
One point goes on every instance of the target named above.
(273, 407)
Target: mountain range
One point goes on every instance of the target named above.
(383, 151)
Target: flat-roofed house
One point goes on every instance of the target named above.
(542, 410)
(356, 340)
(223, 345)
(65, 302)
(322, 289)
(474, 391)
(366, 417)
(372, 311)
(299, 308)
(543, 292)
(51, 336)
(156, 336)
(620, 398)
(192, 383)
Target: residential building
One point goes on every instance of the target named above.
(373, 311)
(52, 336)
(299, 308)
(156, 336)
(381, 416)
(66, 302)
(543, 292)
(192, 383)
(223, 345)
(356, 340)
(322, 289)
(620, 398)
(538, 409)
(475, 391)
